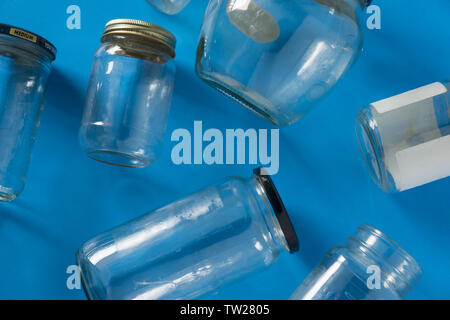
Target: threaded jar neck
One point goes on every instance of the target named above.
(400, 271)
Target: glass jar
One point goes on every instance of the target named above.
(192, 246)
(405, 140)
(129, 94)
(169, 6)
(277, 58)
(25, 65)
(370, 267)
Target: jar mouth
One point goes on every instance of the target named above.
(118, 158)
(370, 147)
(373, 242)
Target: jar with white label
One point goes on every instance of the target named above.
(405, 140)
(129, 95)
(370, 267)
(25, 66)
(278, 58)
(192, 246)
(169, 6)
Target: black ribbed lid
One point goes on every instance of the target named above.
(279, 209)
(28, 36)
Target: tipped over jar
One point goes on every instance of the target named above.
(278, 58)
(370, 267)
(129, 94)
(192, 246)
(405, 139)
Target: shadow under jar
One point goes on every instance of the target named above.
(129, 94)
(25, 66)
(370, 267)
(278, 58)
(192, 246)
(405, 139)
(169, 6)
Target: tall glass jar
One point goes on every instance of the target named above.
(192, 246)
(278, 58)
(370, 267)
(129, 94)
(405, 140)
(25, 65)
(169, 6)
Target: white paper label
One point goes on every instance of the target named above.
(423, 163)
(409, 97)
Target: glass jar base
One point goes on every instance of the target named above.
(118, 158)
(234, 90)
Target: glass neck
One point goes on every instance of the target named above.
(400, 270)
(277, 237)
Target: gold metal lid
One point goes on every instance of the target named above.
(146, 30)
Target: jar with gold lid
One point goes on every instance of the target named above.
(129, 94)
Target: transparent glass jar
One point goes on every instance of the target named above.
(192, 246)
(405, 140)
(370, 267)
(129, 94)
(25, 65)
(169, 6)
(277, 58)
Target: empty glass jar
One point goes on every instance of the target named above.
(169, 6)
(370, 267)
(25, 65)
(278, 58)
(192, 246)
(405, 140)
(129, 94)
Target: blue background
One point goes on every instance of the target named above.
(69, 198)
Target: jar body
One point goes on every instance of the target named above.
(24, 72)
(405, 140)
(350, 272)
(278, 58)
(127, 105)
(169, 6)
(185, 249)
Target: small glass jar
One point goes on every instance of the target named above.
(405, 140)
(277, 58)
(129, 94)
(192, 246)
(25, 65)
(370, 267)
(169, 6)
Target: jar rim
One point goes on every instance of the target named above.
(145, 30)
(279, 209)
(30, 37)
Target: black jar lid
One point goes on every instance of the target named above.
(279, 209)
(28, 36)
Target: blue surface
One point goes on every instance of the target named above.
(69, 198)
